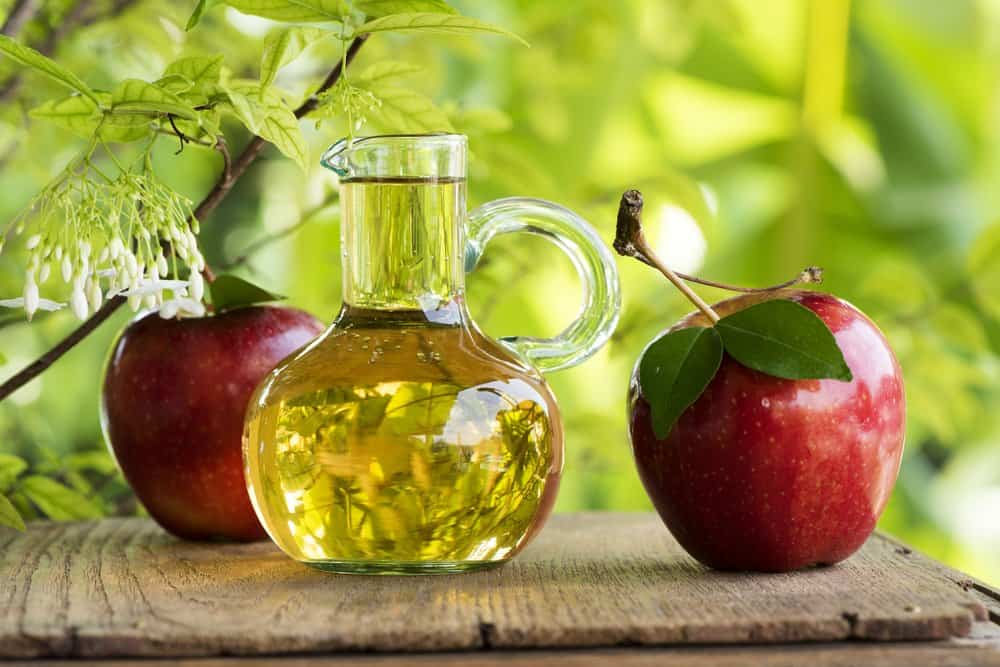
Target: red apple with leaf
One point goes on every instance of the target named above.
(767, 429)
(175, 394)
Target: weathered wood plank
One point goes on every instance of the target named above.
(123, 588)
(983, 651)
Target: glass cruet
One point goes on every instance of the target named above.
(403, 439)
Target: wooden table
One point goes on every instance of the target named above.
(593, 589)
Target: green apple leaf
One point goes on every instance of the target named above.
(293, 10)
(404, 110)
(199, 11)
(9, 516)
(386, 69)
(784, 339)
(430, 22)
(135, 95)
(30, 58)
(674, 371)
(11, 468)
(199, 70)
(984, 269)
(282, 47)
(380, 8)
(230, 292)
(57, 501)
(78, 114)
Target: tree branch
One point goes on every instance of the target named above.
(207, 205)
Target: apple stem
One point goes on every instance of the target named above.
(630, 242)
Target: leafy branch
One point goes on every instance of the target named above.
(214, 197)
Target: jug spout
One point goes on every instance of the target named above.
(336, 158)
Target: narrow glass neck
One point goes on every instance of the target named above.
(403, 242)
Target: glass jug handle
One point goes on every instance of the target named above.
(589, 255)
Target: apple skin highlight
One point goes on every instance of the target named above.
(767, 474)
(175, 394)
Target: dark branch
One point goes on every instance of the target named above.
(207, 205)
(40, 365)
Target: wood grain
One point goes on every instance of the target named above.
(122, 587)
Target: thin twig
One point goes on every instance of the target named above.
(267, 240)
(20, 14)
(207, 205)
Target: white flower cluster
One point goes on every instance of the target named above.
(106, 240)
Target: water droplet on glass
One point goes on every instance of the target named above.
(766, 402)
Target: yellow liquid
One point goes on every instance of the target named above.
(392, 444)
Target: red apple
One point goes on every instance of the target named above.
(175, 393)
(766, 474)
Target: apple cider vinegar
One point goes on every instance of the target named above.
(403, 440)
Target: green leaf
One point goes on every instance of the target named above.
(380, 8)
(402, 110)
(135, 95)
(386, 69)
(97, 460)
(448, 24)
(674, 371)
(9, 516)
(56, 501)
(984, 270)
(293, 11)
(784, 339)
(284, 46)
(76, 113)
(11, 468)
(199, 70)
(30, 58)
(265, 114)
(199, 11)
(230, 292)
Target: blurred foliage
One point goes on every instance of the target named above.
(862, 137)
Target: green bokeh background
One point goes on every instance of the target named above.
(766, 136)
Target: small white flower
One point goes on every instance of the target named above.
(59, 252)
(43, 273)
(94, 295)
(43, 304)
(105, 254)
(78, 303)
(85, 249)
(169, 309)
(182, 306)
(67, 269)
(33, 241)
(131, 265)
(147, 287)
(161, 265)
(197, 285)
(117, 248)
(135, 302)
(31, 297)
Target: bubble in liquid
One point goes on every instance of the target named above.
(766, 402)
